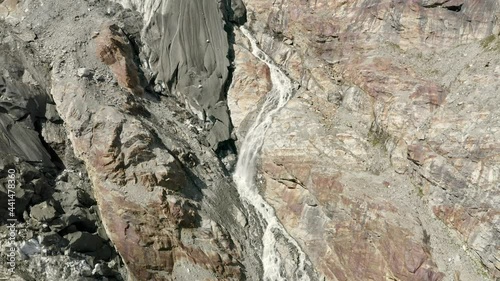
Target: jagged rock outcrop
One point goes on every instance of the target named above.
(19, 102)
(166, 202)
(53, 196)
(391, 137)
(114, 49)
(149, 205)
(253, 81)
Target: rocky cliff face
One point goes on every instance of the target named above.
(382, 162)
(385, 164)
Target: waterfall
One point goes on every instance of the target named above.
(244, 176)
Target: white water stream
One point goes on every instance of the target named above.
(244, 176)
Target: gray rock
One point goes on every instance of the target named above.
(102, 233)
(84, 72)
(84, 198)
(87, 272)
(82, 217)
(30, 247)
(43, 212)
(23, 196)
(49, 238)
(68, 198)
(22, 141)
(27, 36)
(19, 99)
(239, 12)
(51, 113)
(104, 253)
(20, 106)
(102, 269)
(84, 242)
(54, 135)
(229, 161)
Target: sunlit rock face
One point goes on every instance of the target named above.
(390, 147)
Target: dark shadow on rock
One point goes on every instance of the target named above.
(235, 15)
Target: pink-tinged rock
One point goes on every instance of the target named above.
(424, 109)
(251, 81)
(432, 94)
(114, 49)
(140, 191)
(419, 153)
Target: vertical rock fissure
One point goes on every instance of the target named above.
(275, 236)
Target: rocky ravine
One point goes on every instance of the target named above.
(122, 121)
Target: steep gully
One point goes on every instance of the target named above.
(275, 265)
